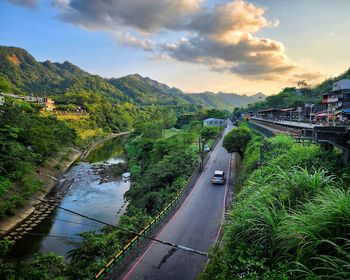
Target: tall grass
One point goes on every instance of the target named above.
(317, 235)
(290, 221)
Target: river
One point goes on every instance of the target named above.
(88, 194)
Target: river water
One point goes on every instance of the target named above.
(86, 195)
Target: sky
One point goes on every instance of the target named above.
(241, 46)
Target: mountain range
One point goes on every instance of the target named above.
(21, 73)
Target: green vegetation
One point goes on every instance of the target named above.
(236, 140)
(21, 73)
(291, 219)
(288, 98)
(210, 132)
(27, 139)
(160, 166)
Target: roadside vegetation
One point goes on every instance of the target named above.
(291, 220)
(160, 166)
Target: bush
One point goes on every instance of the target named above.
(290, 221)
(236, 140)
(210, 132)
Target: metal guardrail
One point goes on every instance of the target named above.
(159, 218)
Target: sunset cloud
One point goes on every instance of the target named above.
(128, 39)
(147, 16)
(224, 38)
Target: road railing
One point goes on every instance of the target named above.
(113, 262)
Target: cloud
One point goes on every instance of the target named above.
(146, 16)
(128, 39)
(27, 3)
(224, 38)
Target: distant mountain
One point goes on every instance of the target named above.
(21, 73)
(226, 101)
(145, 91)
(28, 76)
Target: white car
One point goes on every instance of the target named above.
(206, 148)
(218, 177)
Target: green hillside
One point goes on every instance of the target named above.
(21, 73)
(145, 91)
(224, 101)
(288, 98)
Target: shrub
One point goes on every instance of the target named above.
(236, 140)
(290, 221)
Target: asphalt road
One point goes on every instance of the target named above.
(195, 225)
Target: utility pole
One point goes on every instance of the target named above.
(328, 115)
(311, 105)
(202, 154)
(290, 115)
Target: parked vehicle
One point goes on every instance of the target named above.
(206, 148)
(218, 177)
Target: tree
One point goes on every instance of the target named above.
(236, 140)
(209, 132)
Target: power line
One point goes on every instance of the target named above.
(47, 235)
(62, 220)
(117, 227)
(76, 223)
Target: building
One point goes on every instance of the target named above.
(49, 104)
(31, 99)
(214, 122)
(270, 114)
(337, 101)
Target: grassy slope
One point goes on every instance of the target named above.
(291, 220)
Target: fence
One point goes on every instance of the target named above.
(109, 268)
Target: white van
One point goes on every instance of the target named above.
(218, 177)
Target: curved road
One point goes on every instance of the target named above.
(196, 225)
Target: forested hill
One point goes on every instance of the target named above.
(21, 73)
(292, 97)
(223, 100)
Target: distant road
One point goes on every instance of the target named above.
(196, 225)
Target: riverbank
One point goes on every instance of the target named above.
(30, 216)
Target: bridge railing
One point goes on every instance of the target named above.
(112, 263)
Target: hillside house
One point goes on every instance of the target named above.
(214, 122)
(49, 104)
(337, 102)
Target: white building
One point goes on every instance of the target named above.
(214, 122)
(32, 99)
(341, 84)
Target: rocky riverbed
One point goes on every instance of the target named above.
(95, 189)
